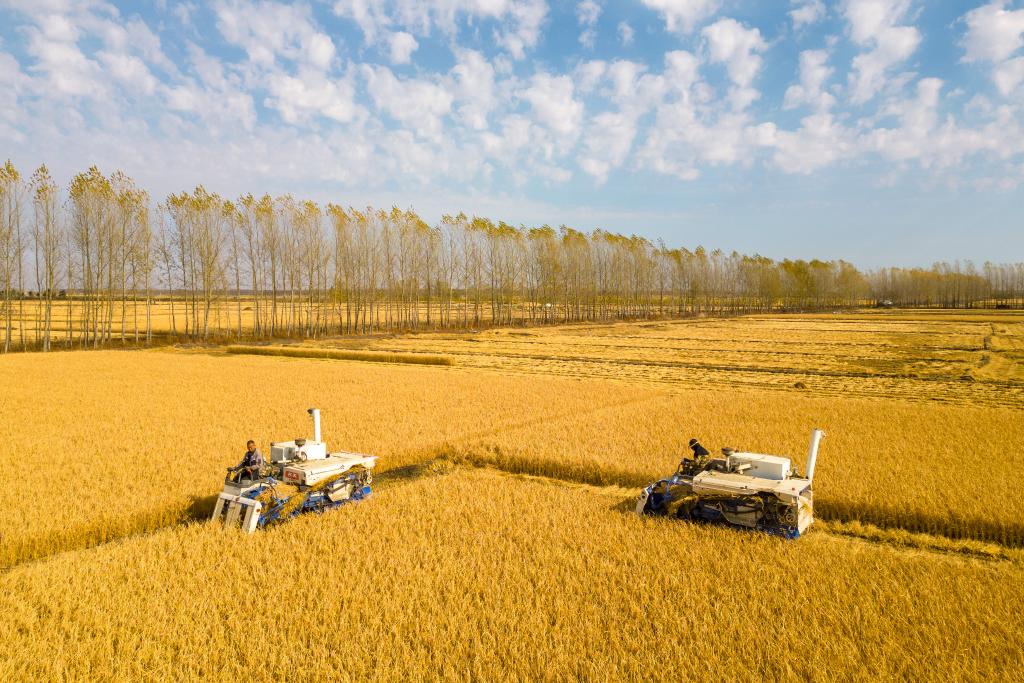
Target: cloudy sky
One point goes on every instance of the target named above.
(880, 131)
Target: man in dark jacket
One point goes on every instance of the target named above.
(698, 450)
(251, 463)
(700, 459)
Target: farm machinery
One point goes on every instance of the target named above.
(748, 490)
(300, 477)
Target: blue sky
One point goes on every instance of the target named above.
(879, 131)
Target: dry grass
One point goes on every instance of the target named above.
(338, 354)
(480, 576)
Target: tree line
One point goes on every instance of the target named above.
(100, 261)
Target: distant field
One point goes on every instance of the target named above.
(973, 359)
(920, 539)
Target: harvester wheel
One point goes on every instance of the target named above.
(788, 514)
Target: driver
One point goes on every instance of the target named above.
(251, 463)
(700, 458)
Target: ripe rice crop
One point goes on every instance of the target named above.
(476, 575)
(948, 470)
(110, 443)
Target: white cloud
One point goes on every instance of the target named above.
(12, 82)
(129, 70)
(297, 97)
(806, 13)
(691, 130)
(682, 16)
(59, 59)
(589, 74)
(993, 32)
(609, 135)
(682, 69)
(218, 100)
(459, 128)
(819, 142)
(551, 98)
(367, 14)
(269, 30)
(401, 45)
(58, 27)
(608, 141)
(587, 14)
(1009, 75)
(475, 89)
(525, 20)
(732, 44)
(418, 104)
(625, 33)
(518, 21)
(936, 143)
(875, 24)
(810, 91)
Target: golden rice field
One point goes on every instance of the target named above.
(476, 575)
(465, 564)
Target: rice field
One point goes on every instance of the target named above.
(479, 575)
(964, 359)
(499, 543)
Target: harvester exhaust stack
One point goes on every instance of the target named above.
(812, 452)
(315, 412)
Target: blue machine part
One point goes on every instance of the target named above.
(656, 497)
(315, 501)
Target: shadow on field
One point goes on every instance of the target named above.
(626, 506)
(200, 508)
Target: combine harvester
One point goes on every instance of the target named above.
(300, 477)
(747, 490)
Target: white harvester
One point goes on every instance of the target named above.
(748, 490)
(300, 477)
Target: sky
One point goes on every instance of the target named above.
(883, 132)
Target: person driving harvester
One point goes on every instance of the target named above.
(251, 464)
(700, 458)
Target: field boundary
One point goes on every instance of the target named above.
(338, 354)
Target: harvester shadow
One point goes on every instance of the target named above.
(200, 508)
(624, 506)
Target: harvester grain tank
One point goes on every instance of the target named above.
(302, 476)
(749, 490)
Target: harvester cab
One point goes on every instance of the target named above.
(302, 476)
(749, 490)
